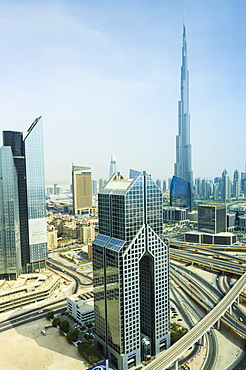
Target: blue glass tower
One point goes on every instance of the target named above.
(10, 247)
(28, 157)
(14, 139)
(36, 192)
(180, 193)
(183, 165)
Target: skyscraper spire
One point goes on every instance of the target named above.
(112, 167)
(183, 165)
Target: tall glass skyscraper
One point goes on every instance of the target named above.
(113, 165)
(27, 154)
(131, 272)
(10, 247)
(183, 165)
(36, 192)
(14, 139)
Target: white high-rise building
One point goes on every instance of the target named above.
(236, 184)
(226, 193)
(112, 167)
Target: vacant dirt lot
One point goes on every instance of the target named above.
(25, 348)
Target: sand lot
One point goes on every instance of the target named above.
(25, 348)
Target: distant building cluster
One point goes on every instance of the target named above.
(221, 188)
(66, 226)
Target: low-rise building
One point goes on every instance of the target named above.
(81, 307)
(242, 222)
(225, 238)
(231, 221)
(192, 216)
(27, 289)
(174, 214)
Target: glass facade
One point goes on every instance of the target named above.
(36, 192)
(15, 141)
(180, 193)
(131, 270)
(10, 251)
(212, 218)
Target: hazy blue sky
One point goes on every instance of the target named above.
(105, 76)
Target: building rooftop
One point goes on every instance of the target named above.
(212, 205)
(226, 233)
(88, 296)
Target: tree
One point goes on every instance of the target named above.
(56, 321)
(50, 315)
(89, 351)
(93, 360)
(64, 326)
(73, 335)
(177, 332)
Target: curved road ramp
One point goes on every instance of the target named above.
(173, 353)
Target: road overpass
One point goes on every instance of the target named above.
(173, 353)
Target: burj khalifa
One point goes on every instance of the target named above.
(183, 165)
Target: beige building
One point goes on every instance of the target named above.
(51, 237)
(70, 230)
(82, 189)
(86, 231)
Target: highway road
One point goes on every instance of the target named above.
(228, 248)
(216, 293)
(212, 345)
(207, 300)
(209, 263)
(172, 354)
(236, 312)
(210, 252)
(33, 315)
(71, 270)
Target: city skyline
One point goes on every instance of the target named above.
(112, 73)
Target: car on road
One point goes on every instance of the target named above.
(180, 319)
(41, 311)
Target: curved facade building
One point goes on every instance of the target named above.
(180, 193)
